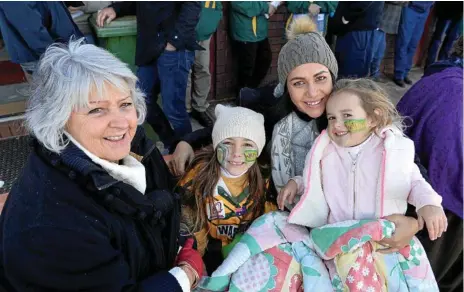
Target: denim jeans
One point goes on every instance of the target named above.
(169, 75)
(354, 52)
(410, 32)
(450, 30)
(378, 52)
(90, 39)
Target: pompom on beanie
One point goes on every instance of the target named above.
(305, 45)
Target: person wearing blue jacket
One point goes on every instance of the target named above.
(29, 27)
(410, 31)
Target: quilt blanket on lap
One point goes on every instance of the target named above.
(349, 250)
(274, 255)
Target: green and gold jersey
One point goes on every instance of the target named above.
(228, 211)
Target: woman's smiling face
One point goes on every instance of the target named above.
(105, 128)
(309, 86)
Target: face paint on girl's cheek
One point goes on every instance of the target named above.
(250, 155)
(354, 126)
(222, 154)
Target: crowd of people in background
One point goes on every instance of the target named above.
(172, 50)
(106, 213)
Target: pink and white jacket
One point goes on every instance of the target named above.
(382, 182)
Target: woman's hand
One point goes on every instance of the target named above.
(287, 194)
(190, 261)
(107, 14)
(435, 219)
(405, 229)
(191, 274)
(181, 157)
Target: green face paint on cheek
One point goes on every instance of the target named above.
(354, 126)
(250, 155)
(222, 154)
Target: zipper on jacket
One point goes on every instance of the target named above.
(353, 170)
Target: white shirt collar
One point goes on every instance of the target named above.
(131, 171)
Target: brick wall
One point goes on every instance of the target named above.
(277, 40)
(387, 66)
(422, 48)
(225, 63)
(12, 129)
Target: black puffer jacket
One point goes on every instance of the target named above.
(68, 225)
(361, 16)
(449, 9)
(160, 22)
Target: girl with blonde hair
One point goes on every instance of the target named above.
(362, 166)
(361, 169)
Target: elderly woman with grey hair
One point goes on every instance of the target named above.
(93, 208)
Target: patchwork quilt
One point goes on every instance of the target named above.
(274, 255)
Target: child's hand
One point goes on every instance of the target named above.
(435, 220)
(288, 193)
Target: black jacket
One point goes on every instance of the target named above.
(160, 22)
(362, 15)
(69, 226)
(449, 9)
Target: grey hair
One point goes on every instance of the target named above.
(65, 76)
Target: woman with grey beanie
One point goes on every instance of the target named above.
(307, 71)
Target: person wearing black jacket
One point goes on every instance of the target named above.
(94, 207)
(356, 25)
(166, 41)
(449, 26)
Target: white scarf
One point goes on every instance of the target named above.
(227, 174)
(131, 171)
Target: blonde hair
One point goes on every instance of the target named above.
(374, 100)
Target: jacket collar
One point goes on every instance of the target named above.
(78, 162)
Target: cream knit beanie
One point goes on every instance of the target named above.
(238, 122)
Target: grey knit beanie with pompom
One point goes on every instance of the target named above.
(305, 45)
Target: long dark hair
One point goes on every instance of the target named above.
(208, 172)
